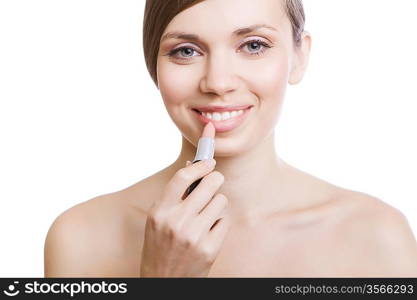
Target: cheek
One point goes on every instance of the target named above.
(175, 84)
(272, 79)
(270, 90)
(176, 87)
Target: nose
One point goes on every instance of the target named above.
(219, 77)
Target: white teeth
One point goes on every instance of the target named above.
(222, 116)
(217, 116)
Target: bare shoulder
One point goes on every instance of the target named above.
(90, 239)
(378, 235)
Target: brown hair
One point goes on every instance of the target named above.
(158, 14)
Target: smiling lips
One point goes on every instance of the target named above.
(221, 108)
(224, 118)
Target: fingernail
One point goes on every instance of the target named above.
(187, 163)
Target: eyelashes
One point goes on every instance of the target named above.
(264, 47)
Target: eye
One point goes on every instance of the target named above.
(188, 51)
(184, 50)
(257, 44)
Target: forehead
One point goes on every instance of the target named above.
(213, 18)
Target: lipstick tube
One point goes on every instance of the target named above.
(205, 150)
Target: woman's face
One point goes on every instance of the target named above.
(226, 69)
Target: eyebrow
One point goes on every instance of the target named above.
(194, 37)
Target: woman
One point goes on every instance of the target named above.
(252, 214)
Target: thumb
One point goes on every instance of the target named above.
(187, 163)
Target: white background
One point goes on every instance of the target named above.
(80, 116)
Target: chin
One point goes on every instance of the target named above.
(232, 146)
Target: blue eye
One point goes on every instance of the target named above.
(181, 50)
(189, 50)
(258, 43)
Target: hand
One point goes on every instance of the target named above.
(184, 236)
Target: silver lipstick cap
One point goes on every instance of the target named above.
(205, 149)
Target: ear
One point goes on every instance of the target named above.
(300, 59)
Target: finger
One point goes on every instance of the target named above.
(215, 237)
(212, 212)
(184, 177)
(203, 193)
